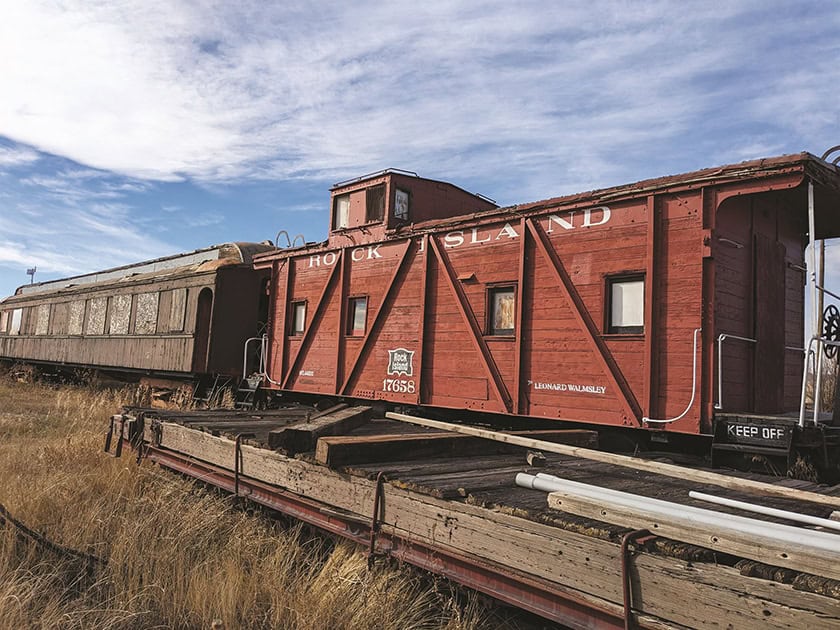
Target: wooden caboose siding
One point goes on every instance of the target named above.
(677, 285)
(559, 363)
(759, 294)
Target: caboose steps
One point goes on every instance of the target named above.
(741, 439)
(449, 504)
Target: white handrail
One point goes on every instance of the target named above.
(821, 341)
(693, 387)
(720, 340)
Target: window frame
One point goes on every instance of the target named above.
(349, 329)
(16, 313)
(147, 326)
(489, 327)
(611, 281)
(292, 330)
(407, 217)
(336, 200)
(369, 198)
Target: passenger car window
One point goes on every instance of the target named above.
(177, 310)
(17, 318)
(145, 318)
(120, 315)
(76, 319)
(96, 316)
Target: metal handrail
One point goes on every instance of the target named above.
(821, 341)
(720, 340)
(826, 291)
(245, 357)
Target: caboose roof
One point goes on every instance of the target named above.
(825, 175)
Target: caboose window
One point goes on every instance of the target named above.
(375, 210)
(4, 322)
(357, 316)
(298, 318)
(627, 305)
(342, 212)
(401, 198)
(501, 310)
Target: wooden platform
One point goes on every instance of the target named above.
(457, 495)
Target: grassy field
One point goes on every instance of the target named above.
(175, 555)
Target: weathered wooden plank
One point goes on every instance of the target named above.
(661, 468)
(348, 450)
(302, 437)
(661, 585)
(699, 527)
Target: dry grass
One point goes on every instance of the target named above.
(177, 556)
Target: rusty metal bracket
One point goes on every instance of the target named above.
(109, 436)
(638, 536)
(112, 429)
(374, 519)
(237, 463)
(157, 432)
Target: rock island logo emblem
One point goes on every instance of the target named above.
(401, 361)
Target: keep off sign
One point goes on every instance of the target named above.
(757, 434)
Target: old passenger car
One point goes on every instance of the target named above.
(179, 316)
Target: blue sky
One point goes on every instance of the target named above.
(130, 130)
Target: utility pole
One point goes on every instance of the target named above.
(31, 273)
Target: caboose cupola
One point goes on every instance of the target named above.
(368, 208)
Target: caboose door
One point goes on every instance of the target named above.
(769, 295)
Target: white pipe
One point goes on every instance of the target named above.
(265, 366)
(818, 383)
(767, 511)
(708, 520)
(808, 356)
(693, 388)
(820, 341)
(812, 239)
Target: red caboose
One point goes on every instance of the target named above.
(662, 304)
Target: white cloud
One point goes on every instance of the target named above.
(17, 156)
(564, 96)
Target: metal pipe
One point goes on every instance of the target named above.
(818, 383)
(764, 532)
(720, 339)
(820, 341)
(767, 511)
(808, 355)
(693, 388)
(245, 357)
